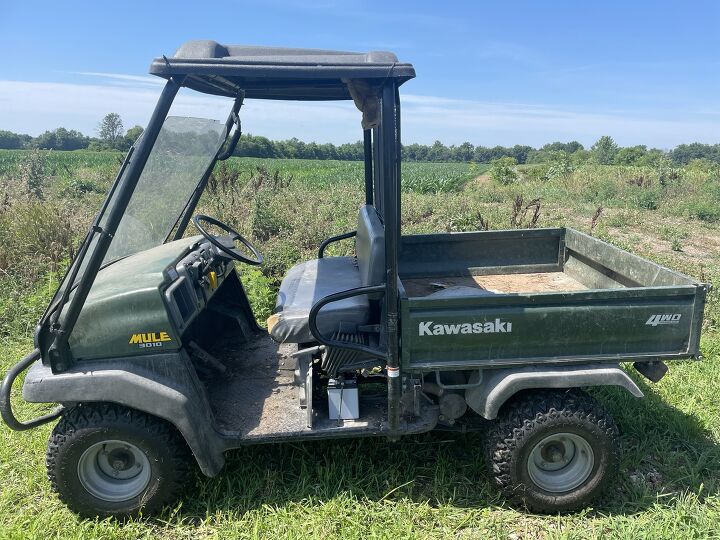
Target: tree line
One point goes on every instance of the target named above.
(112, 136)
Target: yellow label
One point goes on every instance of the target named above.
(151, 337)
(212, 278)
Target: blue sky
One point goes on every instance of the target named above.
(488, 72)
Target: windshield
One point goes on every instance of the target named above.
(184, 149)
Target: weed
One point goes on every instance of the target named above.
(503, 171)
(261, 293)
(595, 218)
(520, 210)
(646, 199)
(561, 166)
(32, 172)
(704, 210)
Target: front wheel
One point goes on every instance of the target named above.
(553, 451)
(107, 460)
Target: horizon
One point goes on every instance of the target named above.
(496, 75)
(245, 135)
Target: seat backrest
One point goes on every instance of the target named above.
(370, 247)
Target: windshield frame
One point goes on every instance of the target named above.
(53, 333)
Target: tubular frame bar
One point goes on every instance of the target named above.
(389, 143)
(317, 306)
(368, 155)
(6, 389)
(328, 241)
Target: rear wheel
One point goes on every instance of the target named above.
(553, 451)
(107, 460)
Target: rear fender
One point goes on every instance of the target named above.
(163, 385)
(499, 385)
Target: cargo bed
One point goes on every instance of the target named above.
(495, 298)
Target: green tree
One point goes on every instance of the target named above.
(653, 158)
(569, 147)
(61, 139)
(13, 141)
(631, 155)
(133, 134)
(111, 129)
(685, 153)
(502, 170)
(464, 152)
(438, 152)
(604, 150)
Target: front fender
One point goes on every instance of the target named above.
(164, 385)
(499, 385)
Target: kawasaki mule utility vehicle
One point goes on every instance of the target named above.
(152, 350)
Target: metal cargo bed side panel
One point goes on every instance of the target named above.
(600, 265)
(617, 324)
(479, 253)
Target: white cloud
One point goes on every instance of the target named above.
(32, 107)
(123, 79)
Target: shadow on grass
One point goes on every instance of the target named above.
(665, 452)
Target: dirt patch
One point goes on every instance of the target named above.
(496, 283)
(481, 180)
(697, 242)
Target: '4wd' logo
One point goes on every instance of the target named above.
(150, 339)
(664, 318)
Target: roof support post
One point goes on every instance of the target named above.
(368, 155)
(389, 180)
(378, 189)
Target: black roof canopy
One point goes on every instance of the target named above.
(278, 72)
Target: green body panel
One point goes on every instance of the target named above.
(126, 299)
(632, 309)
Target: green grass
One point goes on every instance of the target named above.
(425, 486)
(429, 486)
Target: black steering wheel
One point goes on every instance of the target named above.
(230, 250)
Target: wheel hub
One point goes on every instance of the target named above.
(560, 462)
(114, 470)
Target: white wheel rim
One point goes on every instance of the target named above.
(561, 462)
(114, 471)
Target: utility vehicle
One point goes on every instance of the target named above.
(152, 351)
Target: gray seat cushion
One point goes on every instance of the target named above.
(305, 284)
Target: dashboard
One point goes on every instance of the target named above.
(194, 279)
